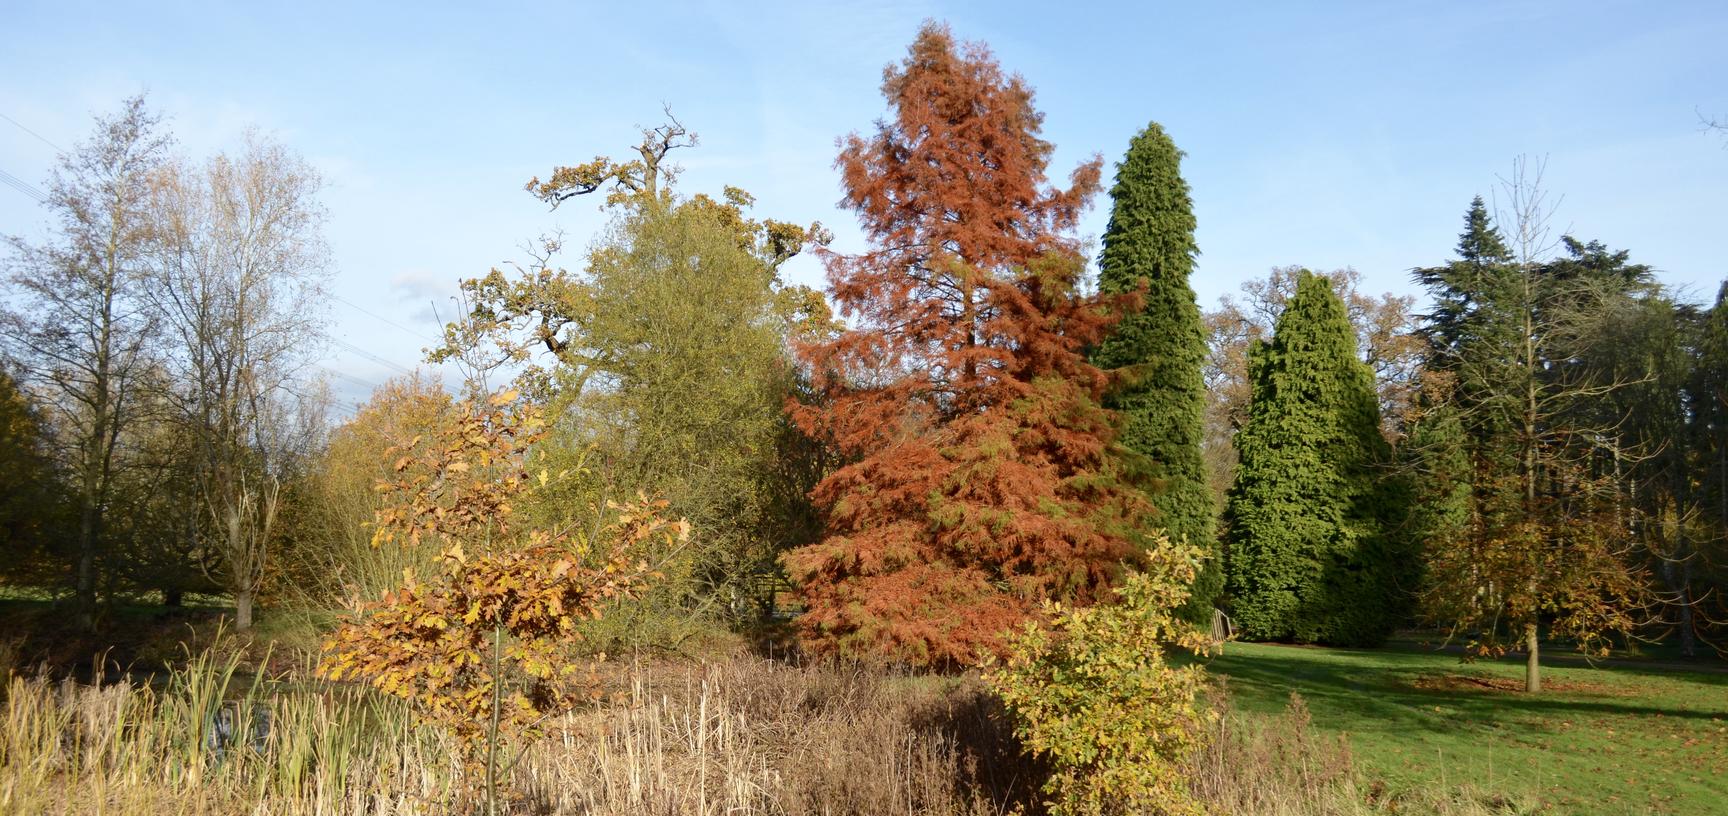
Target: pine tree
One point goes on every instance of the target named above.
(1161, 348)
(1482, 254)
(982, 477)
(1307, 515)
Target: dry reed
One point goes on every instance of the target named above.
(740, 736)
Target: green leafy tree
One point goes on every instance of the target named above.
(1648, 347)
(664, 363)
(1160, 349)
(1309, 511)
(1707, 441)
(1709, 408)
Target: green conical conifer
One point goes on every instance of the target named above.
(1161, 348)
(1308, 512)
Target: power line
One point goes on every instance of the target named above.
(22, 186)
(370, 356)
(350, 377)
(39, 137)
(374, 315)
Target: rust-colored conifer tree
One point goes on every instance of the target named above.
(982, 477)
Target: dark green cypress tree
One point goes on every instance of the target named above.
(1161, 349)
(1309, 512)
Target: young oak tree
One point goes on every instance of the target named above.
(1149, 249)
(1311, 508)
(981, 473)
(480, 648)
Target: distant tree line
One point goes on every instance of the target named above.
(158, 341)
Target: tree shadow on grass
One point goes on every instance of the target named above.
(1364, 690)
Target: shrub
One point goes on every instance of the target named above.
(1092, 694)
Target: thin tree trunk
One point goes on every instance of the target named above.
(1532, 660)
(86, 577)
(1688, 638)
(492, 729)
(242, 610)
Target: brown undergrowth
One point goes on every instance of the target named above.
(732, 736)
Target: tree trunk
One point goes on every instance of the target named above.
(172, 597)
(86, 577)
(1532, 660)
(242, 610)
(1688, 637)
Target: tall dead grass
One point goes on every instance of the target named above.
(741, 736)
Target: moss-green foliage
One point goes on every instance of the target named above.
(1092, 693)
(1161, 348)
(1309, 557)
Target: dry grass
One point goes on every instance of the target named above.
(749, 736)
(738, 736)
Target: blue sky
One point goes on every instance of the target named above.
(1318, 134)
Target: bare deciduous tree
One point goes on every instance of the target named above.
(238, 283)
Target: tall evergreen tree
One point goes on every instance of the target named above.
(1149, 248)
(1482, 257)
(1308, 513)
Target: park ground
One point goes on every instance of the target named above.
(1638, 734)
(1627, 736)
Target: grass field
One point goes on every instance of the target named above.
(1606, 740)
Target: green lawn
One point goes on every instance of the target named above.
(1608, 740)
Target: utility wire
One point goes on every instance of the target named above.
(17, 183)
(22, 186)
(39, 137)
(370, 356)
(350, 377)
(382, 319)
